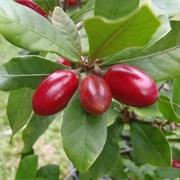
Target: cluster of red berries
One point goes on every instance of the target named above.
(127, 84)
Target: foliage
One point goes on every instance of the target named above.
(124, 142)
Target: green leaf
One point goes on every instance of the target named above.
(83, 135)
(102, 165)
(26, 71)
(115, 9)
(34, 129)
(167, 110)
(137, 52)
(118, 171)
(27, 168)
(50, 171)
(167, 173)
(47, 5)
(150, 144)
(86, 12)
(19, 108)
(161, 66)
(108, 37)
(176, 95)
(25, 28)
(67, 27)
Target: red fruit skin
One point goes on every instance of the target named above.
(64, 61)
(31, 4)
(131, 86)
(95, 94)
(176, 163)
(72, 2)
(54, 93)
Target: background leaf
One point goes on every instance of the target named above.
(84, 13)
(176, 95)
(108, 37)
(83, 134)
(170, 173)
(67, 27)
(34, 129)
(115, 9)
(19, 108)
(26, 71)
(102, 165)
(27, 168)
(49, 172)
(166, 108)
(150, 144)
(22, 27)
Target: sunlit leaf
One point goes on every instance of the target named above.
(83, 134)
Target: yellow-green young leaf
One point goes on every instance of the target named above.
(26, 71)
(83, 135)
(115, 9)
(19, 108)
(167, 109)
(108, 37)
(150, 144)
(27, 29)
(67, 27)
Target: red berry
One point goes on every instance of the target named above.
(63, 61)
(33, 6)
(72, 2)
(175, 163)
(54, 93)
(95, 94)
(131, 86)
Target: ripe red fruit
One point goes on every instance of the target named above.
(54, 93)
(72, 2)
(176, 163)
(95, 94)
(131, 86)
(63, 61)
(31, 4)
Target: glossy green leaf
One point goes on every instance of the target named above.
(83, 135)
(34, 129)
(26, 71)
(167, 110)
(140, 51)
(27, 168)
(150, 144)
(176, 95)
(115, 9)
(49, 172)
(167, 173)
(86, 12)
(19, 108)
(108, 37)
(67, 27)
(161, 66)
(22, 27)
(102, 165)
(47, 5)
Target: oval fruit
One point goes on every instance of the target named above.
(31, 4)
(63, 61)
(54, 93)
(176, 163)
(72, 2)
(95, 94)
(131, 86)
